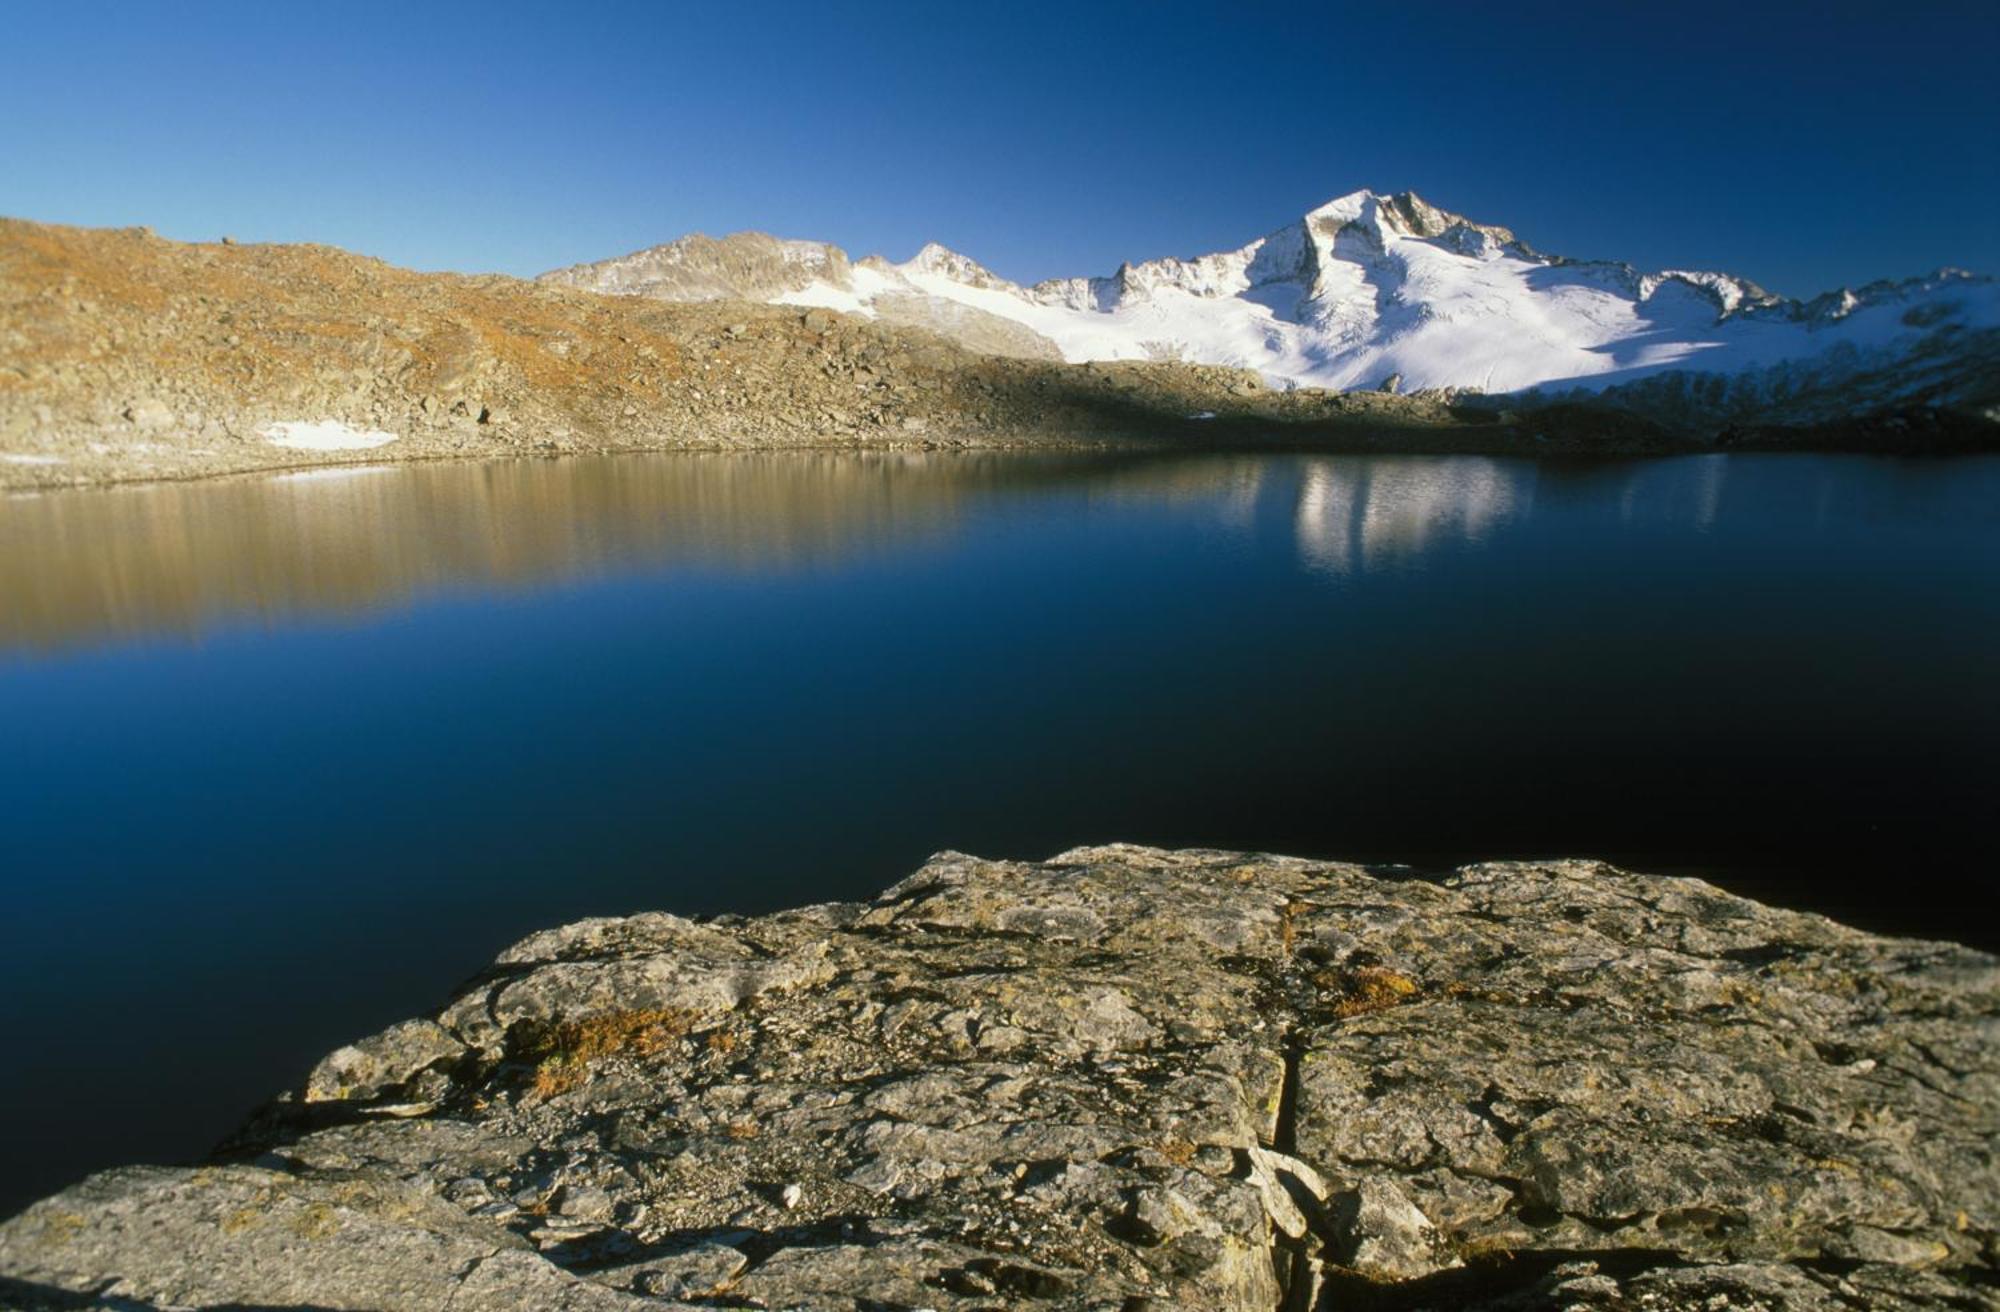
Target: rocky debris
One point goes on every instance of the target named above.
(975, 329)
(1124, 1078)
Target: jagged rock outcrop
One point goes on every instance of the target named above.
(1121, 1079)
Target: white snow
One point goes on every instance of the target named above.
(1350, 295)
(825, 296)
(325, 435)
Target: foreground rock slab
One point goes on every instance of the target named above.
(1121, 1079)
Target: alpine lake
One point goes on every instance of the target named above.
(287, 757)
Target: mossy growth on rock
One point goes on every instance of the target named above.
(564, 1052)
(1364, 989)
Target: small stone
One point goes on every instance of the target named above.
(561, 1232)
(699, 1272)
(469, 1191)
(1283, 1182)
(584, 1203)
(382, 1062)
(1161, 1215)
(878, 1176)
(1381, 1234)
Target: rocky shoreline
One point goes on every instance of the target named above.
(1121, 1079)
(125, 357)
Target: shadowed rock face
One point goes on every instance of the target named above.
(1124, 1078)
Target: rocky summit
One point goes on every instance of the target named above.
(1122, 1079)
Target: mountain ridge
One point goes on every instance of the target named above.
(1373, 291)
(127, 356)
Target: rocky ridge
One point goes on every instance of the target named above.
(754, 266)
(1121, 1079)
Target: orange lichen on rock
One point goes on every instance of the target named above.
(1366, 989)
(565, 1052)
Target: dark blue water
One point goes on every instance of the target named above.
(286, 758)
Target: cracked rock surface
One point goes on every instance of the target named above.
(1123, 1079)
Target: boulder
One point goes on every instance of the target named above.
(1120, 1078)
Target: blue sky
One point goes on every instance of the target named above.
(1804, 145)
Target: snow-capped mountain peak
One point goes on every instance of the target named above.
(942, 261)
(1370, 287)
(1344, 209)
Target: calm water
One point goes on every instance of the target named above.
(286, 758)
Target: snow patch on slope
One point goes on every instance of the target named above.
(324, 435)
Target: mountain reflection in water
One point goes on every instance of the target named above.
(179, 558)
(287, 757)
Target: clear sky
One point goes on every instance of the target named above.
(1805, 145)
